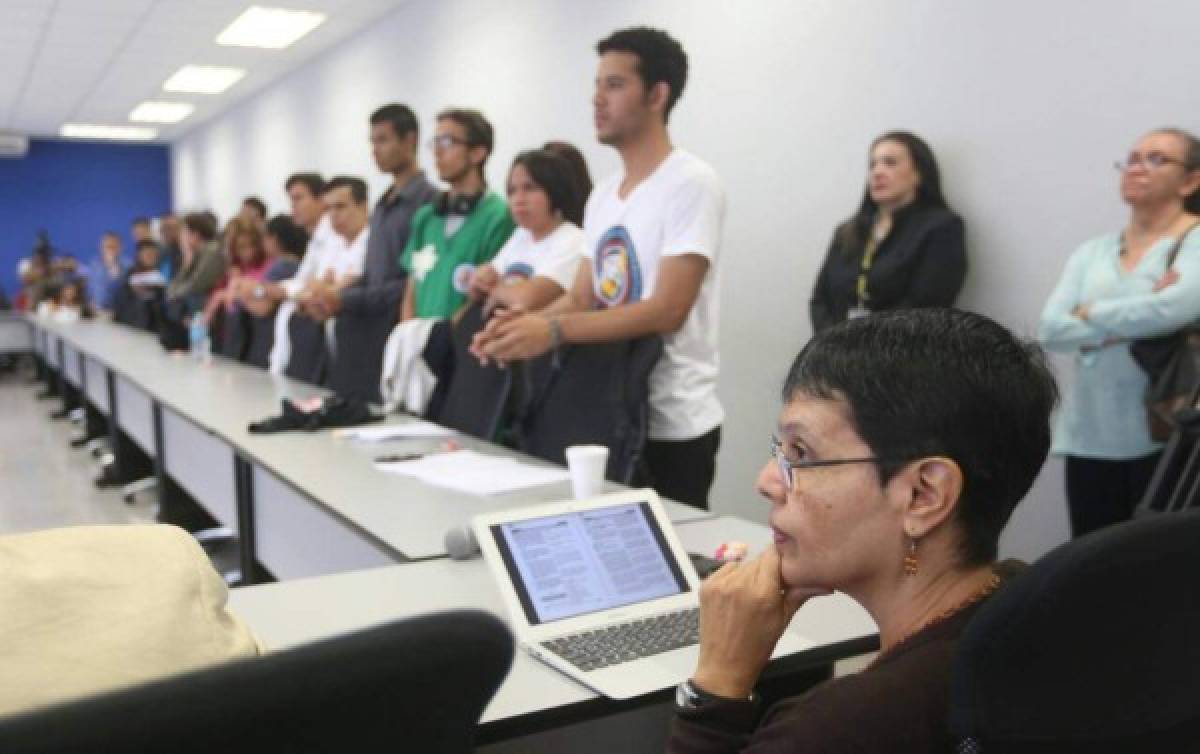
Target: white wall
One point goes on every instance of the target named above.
(1026, 103)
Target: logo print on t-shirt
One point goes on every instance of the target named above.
(617, 272)
(423, 261)
(462, 276)
(518, 272)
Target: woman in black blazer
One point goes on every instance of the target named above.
(903, 249)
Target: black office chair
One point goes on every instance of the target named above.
(590, 394)
(261, 340)
(1175, 485)
(309, 354)
(1095, 648)
(124, 305)
(142, 311)
(418, 685)
(235, 334)
(476, 397)
(354, 369)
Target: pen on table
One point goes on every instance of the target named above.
(400, 457)
(446, 447)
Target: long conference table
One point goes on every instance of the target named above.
(352, 546)
(306, 503)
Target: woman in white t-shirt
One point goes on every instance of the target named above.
(68, 304)
(546, 194)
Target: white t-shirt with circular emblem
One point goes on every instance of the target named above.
(557, 256)
(679, 209)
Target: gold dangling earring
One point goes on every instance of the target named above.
(910, 560)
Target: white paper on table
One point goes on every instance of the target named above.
(476, 473)
(394, 432)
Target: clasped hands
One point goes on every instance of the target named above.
(512, 335)
(744, 609)
(322, 298)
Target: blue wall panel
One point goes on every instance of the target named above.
(76, 191)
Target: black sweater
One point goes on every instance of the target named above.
(899, 705)
(921, 262)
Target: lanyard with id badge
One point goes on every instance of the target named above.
(860, 309)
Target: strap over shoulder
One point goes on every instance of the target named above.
(1179, 243)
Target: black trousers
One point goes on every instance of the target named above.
(683, 470)
(1101, 493)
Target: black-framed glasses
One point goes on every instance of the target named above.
(445, 141)
(786, 464)
(1152, 161)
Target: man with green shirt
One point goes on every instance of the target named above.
(463, 227)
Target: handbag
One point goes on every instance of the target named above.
(1172, 362)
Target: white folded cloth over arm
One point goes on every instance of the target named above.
(406, 380)
(281, 350)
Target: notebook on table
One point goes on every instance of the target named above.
(601, 590)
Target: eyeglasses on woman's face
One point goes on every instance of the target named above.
(1151, 161)
(787, 465)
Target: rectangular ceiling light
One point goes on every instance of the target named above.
(115, 133)
(272, 28)
(203, 79)
(161, 112)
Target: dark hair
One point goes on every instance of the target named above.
(110, 234)
(853, 233)
(257, 204)
(553, 175)
(145, 243)
(479, 130)
(312, 181)
(43, 251)
(660, 58)
(400, 116)
(357, 186)
(86, 310)
(140, 221)
(1191, 162)
(202, 224)
(941, 382)
(292, 237)
(579, 171)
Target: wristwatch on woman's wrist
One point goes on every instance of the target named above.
(689, 696)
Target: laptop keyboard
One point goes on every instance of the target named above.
(592, 650)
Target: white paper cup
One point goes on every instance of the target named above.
(587, 464)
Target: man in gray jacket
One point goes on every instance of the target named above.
(203, 264)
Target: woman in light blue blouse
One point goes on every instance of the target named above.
(1114, 289)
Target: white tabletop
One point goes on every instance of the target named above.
(295, 612)
(223, 397)
(16, 335)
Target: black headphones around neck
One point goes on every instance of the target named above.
(445, 204)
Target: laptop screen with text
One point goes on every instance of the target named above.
(570, 564)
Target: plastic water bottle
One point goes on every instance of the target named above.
(198, 339)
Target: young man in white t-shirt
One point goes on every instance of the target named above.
(652, 235)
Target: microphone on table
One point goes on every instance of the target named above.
(460, 543)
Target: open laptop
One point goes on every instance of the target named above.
(601, 590)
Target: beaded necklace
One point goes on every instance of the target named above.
(983, 593)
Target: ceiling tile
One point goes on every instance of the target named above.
(94, 60)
